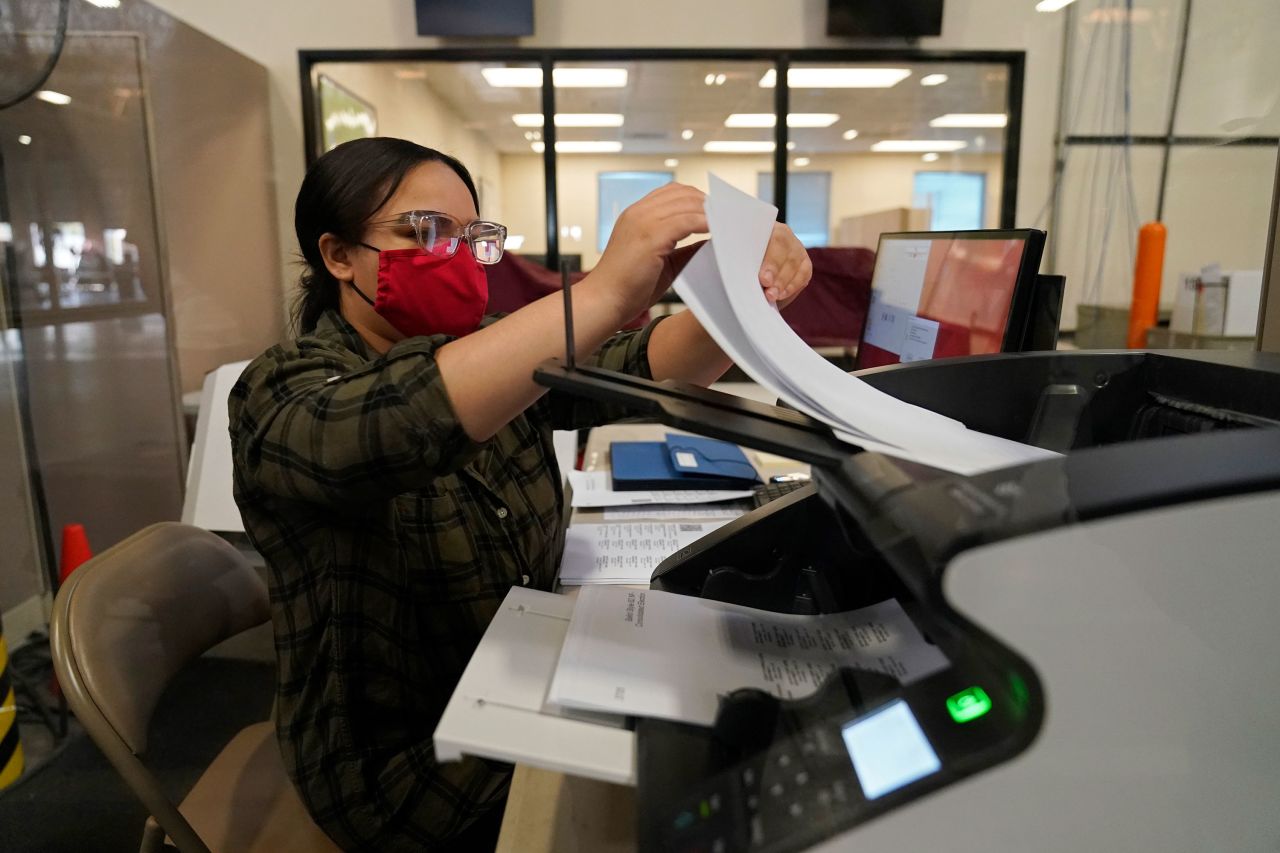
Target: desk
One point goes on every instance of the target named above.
(549, 811)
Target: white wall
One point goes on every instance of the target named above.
(410, 109)
(272, 33)
(860, 183)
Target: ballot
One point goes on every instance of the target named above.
(720, 285)
(595, 489)
(626, 552)
(649, 653)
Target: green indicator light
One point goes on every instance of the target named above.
(969, 704)
(704, 809)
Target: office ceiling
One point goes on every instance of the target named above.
(664, 98)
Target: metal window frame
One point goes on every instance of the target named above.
(782, 60)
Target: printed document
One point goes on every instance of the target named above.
(625, 551)
(648, 653)
(595, 489)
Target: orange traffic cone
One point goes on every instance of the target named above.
(75, 550)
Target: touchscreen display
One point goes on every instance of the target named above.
(889, 750)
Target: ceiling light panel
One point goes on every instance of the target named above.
(793, 120)
(916, 146)
(970, 120)
(563, 78)
(570, 119)
(738, 146)
(838, 78)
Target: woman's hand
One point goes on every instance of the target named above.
(786, 268)
(784, 272)
(643, 236)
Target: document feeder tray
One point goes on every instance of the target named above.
(773, 775)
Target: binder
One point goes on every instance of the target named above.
(680, 462)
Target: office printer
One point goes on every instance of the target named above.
(1109, 617)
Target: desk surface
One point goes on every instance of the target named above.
(549, 811)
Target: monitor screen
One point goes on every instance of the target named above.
(948, 293)
(889, 750)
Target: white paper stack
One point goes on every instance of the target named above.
(721, 286)
(625, 552)
(595, 489)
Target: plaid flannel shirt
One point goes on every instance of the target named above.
(391, 538)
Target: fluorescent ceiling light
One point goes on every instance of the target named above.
(800, 161)
(914, 146)
(563, 78)
(738, 146)
(791, 145)
(931, 157)
(590, 146)
(838, 78)
(1052, 5)
(106, 4)
(589, 78)
(671, 162)
(849, 134)
(24, 140)
(538, 147)
(970, 120)
(570, 119)
(793, 120)
(686, 134)
(52, 97)
(933, 79)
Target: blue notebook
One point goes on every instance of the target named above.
(680, 462)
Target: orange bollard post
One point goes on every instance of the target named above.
(75, 550)
(1147, 272)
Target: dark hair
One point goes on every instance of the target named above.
(341, 190)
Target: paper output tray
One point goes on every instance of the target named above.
(499, 711)
(769, 428)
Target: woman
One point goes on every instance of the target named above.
(394, 466)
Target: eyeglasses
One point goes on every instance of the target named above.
(440, 234)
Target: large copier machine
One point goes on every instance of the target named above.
(1110, 618)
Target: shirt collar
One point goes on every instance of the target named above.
(332, 326)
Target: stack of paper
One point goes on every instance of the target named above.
(721, 286)
(595, 489)
(626, 551)
(647, 653)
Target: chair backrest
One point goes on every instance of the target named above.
(514, 282)
(132, 617)
(833, 309)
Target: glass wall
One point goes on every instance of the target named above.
(862, 138)
(1156, 127)
(92, 344)
(906, 144)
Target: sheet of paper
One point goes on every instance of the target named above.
(656, 654)
(728, 512)
(725, 294)
(625, 551)
(594, 489)
(920, 339)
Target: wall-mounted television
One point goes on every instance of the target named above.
(884, 18)
(474, 17)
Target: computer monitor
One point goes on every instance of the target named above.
(937, 294)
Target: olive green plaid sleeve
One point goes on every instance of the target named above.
(313, 423)
(625, 352)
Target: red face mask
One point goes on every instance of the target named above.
(425, 294)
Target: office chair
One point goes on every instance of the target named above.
(123, 625)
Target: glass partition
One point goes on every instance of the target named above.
(91, 343)
(680, 119)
